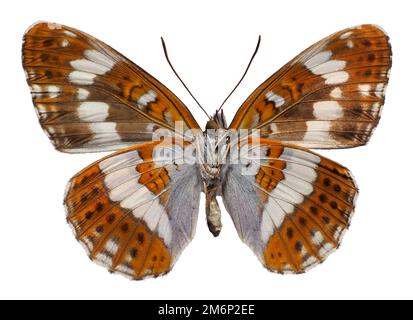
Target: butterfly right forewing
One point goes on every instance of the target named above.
(329, 96)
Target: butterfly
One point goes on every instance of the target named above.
(135, 210)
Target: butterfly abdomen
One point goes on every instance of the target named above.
(213, 212)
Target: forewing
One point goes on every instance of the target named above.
(289, 205)
(89, 97)
(136, 210)
(329, 96)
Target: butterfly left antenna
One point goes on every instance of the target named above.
(183, 83)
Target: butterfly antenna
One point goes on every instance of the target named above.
(183, 83)
(243, 76)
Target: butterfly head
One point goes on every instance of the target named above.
(217, 121)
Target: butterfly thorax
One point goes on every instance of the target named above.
(212, 147)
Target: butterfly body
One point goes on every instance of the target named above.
(135, 210)
(213, 153)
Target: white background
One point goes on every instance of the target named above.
(210, 43)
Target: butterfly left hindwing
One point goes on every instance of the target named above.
(136, 210)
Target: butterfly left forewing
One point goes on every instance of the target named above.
(89, 97)
(289, 205)
(135, 210)
(329, 96)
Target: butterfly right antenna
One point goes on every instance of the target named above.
(243, 76)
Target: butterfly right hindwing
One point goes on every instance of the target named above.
(289, 205)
